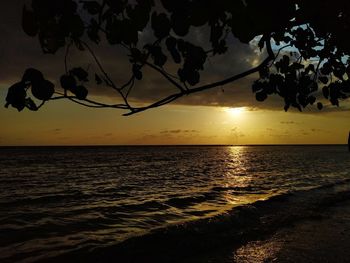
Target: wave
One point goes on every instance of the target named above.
(178, 242)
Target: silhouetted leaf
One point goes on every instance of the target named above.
(323, 79)
(30, 104)
(158, 56)
(309, 68)
(29, 23)
(261, 96)
(180, 24)
(77, 27)
(16, 96)
(136, 71)
(80, 73)
(80, 92)
(286, 107)
(264, 72)
(93, 31)
(98, 79)
(311, 100)
(171, 45)
(334, 102)
(326, 68)
(32, 75)
(92, 7)
(257, 86)
(68, 82)
(160, 24)
(43, 90)
(193, 78)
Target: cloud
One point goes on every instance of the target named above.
(19, 52)
(237, 133)
(288, 122)
(319, 130)
(177, 131)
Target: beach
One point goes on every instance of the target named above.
(309, 226)
(175, 204)
(323, 238)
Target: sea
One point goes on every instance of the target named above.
(57, 200)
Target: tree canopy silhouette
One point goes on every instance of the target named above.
(306, 45)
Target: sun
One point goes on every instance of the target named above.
(235, 112)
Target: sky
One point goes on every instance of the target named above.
(226, 115)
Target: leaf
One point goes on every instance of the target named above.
(325, 92)
(193, 78)
(136, 71)
(76, 26)
(326, 68)
(93, 30)
(80, 73)
(323, 79)
(334, 102)
(29, 23)
(16, 96)
(80, 92)
(30, 104)
(171, 46)
(180, 23)
(68, 82)
(309, 68)
(261, 96)
(264, 72)
(158, 56)
(311, 100)
(261, 43)
(286, 107)
(43, 90)
(33, 75)
(160, 24)
(98, 79)
(92, 7)
(257, 86)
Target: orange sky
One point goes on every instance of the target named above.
(62, 123)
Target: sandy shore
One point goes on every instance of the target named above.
(309, 226)
(322, 239)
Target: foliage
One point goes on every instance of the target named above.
(316, 32)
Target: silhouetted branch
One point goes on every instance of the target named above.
(165, 75)
(176, 96)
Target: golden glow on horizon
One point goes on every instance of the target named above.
(236, 112)
(62, 123)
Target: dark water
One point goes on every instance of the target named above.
(54, 200)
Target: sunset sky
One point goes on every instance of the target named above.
(227, 115)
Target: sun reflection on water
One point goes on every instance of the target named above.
(239, 179)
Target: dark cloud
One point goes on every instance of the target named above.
(288, 122)
(57, 130)
(177, 131)
(18, 52)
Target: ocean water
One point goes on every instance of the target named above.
(55, 200)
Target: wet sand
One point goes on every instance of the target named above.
(322, 239)
(309, 226)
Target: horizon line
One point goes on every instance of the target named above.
(177, 145)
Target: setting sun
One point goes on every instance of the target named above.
(236, 112)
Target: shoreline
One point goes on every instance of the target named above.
(325, 238)
(226, 237)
